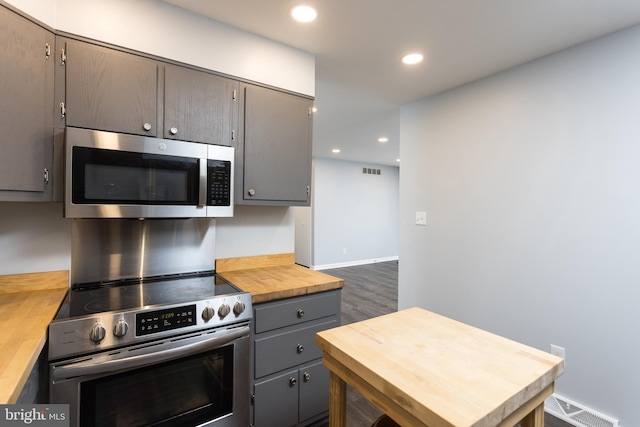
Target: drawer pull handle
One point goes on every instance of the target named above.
(306, 376)
(300, 313)
(292, 382)
(300, 348)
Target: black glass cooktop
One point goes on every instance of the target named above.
(127, 294)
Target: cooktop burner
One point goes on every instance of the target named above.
(98, 297)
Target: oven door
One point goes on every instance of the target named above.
(195, 380)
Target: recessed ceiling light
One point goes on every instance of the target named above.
(398, 160)
(412, 58)
(335, 150)
(383, 139)
(304, 13)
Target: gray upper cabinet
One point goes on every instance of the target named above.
(26, 85)
(199, 106)
(107, 89)
(274, 151)
(117, 91)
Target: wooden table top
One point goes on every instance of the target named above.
(437, 370)
(28, 303)
(273, 277)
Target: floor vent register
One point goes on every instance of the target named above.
(576, 414)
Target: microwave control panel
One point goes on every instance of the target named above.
(219, 182)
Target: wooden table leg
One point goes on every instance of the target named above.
(535, 418)
(337, 401)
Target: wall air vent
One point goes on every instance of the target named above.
(576, 414)
(371, 171)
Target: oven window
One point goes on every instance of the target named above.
(183, 392)
(121, 177)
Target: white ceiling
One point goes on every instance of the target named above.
(360, 81)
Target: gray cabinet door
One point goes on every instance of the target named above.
(276, 401)
(26, 79)
(314, 391)
(110, 90)
(199, 106)
(276, 151)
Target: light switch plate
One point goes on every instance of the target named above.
(421, 218)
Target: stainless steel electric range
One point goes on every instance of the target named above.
(164, 350)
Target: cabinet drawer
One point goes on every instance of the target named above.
(298, 310)
(283, 351)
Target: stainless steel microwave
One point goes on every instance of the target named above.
(112, 175)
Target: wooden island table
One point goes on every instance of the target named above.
(424, 369)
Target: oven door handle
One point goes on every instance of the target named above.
(109, 366)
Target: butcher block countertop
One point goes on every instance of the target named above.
(272, 277)
(424, 369)
(28, 303)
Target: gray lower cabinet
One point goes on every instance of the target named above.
(293, 397)
(274, 150)
(290, 383)
(26, 85)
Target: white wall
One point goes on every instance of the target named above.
(34, 238)
(353, 211)
(303, 217)
(255, 230)
(42, 10)
(531, 183)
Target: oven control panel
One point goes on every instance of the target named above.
(151, 322)
(71, 336)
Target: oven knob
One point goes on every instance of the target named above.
(120, 328)
(208, 313)
(238, 308)
(224, 310)
(97, 333)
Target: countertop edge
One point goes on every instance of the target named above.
(305, 290)
(23, 295)
(16, 390)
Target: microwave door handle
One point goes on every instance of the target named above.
(202, 193)
(153, 357)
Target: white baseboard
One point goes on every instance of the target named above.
(353, 263)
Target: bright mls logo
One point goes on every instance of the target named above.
(34, 415)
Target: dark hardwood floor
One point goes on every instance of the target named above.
(371, 290)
